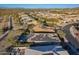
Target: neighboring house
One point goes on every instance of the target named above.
(25, 18)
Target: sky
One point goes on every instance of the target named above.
(39, 5)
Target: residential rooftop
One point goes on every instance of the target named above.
(43, 37)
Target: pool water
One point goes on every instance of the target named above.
(22, 38)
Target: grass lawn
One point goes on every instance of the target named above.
(13, 41)
(1, 32)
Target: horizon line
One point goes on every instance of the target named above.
(37, 6)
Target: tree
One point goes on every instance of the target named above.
(61, 34)
(44, 22)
